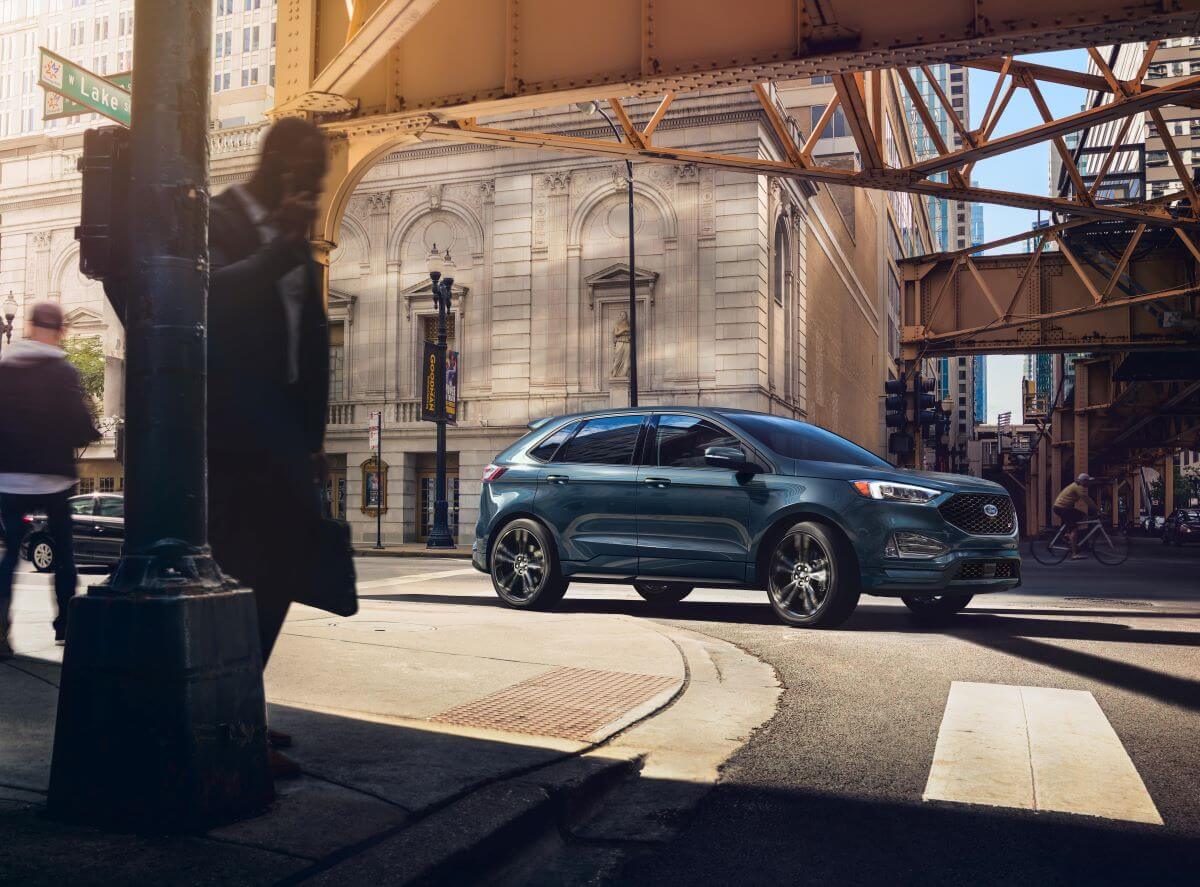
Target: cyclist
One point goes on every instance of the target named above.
(1068, 505)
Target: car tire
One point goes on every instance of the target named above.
(41, 554)
(524, 567)
(936, 606)
(663, 593)
(812, 577)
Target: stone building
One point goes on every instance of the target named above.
(752, 292)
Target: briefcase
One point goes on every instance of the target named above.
(328, 579)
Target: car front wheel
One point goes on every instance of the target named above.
(812, 577)
(936, 606)
(663, 592)
(41, 555)
(525, 572)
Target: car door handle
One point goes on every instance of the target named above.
(557, 478)
(659, 482)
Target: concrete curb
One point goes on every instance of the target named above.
(463, 840)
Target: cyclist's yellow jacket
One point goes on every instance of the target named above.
(1074, 495)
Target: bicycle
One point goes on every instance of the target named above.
(1052, 546)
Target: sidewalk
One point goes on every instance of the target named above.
(409, 549)
(437, 731)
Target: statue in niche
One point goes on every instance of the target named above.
(620, 346)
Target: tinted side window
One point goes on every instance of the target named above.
(82, 506)
(545, 451)
(111, 506)
(800, 440)
(607, 441)
(682, 441)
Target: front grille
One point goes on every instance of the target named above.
(965, 511)
(1005, 569)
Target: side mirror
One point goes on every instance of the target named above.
(731, 458)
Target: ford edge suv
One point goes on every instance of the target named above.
(667, 499)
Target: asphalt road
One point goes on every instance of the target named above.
(830, 791)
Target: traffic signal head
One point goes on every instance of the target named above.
(895, 404)
(103, 232)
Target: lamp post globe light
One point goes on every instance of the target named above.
(441, 273)
(593, 107)
(9, 309)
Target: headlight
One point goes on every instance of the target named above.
(896, 492)
(913, 545)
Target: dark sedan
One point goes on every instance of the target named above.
(1181, 527)
(98, 521)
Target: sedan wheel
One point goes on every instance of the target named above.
(812, 578)
(41, 555)
(525, 570)
(935, 606)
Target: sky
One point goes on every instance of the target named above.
(1026, 170)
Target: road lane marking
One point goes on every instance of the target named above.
(1034, 748)
(420, 577)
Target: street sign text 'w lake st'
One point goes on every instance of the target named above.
(81, 86)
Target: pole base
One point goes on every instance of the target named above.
(161, 712)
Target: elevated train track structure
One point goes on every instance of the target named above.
(1109, 278)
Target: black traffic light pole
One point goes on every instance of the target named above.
(161, 719)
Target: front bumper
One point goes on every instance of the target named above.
(965, 571)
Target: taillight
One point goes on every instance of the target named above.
(492, 472)
(28, 519)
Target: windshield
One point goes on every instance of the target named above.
(799, 440)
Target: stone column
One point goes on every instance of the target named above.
(683, 295)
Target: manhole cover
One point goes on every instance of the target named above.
(569, 703)
(1107, 602)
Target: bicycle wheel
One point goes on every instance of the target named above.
(1050, 547)
(1110, 548)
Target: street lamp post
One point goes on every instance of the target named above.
(593, 107)
(10, 311)
(443, 286)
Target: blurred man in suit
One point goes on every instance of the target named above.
(268, 371)
(44, 418)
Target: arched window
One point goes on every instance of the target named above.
(781, 267)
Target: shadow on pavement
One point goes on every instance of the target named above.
(745, 834)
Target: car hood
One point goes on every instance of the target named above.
(951, 483)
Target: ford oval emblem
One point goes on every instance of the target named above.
(991, 510)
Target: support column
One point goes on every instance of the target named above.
(1168, 484)
(161, 714)
(1135, 495)
(1116, 500)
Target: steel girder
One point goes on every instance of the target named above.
(382, 73)
(1068, 293)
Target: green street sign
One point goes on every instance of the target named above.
(54, 106)
(79, 85)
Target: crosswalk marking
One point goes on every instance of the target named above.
(1034, 748)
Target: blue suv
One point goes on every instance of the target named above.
(670, 498)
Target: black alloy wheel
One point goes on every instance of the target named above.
(663, 592)
(936, 606)
(525, 571)
(812, 577)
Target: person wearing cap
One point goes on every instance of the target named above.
(1068, 507)
(45, 419)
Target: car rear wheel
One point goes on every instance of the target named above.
(41, 555)
(663, 592)
(525, 572)
(936, 606)
(812, 577)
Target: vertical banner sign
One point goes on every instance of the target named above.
(450, 405)
(429, 383)
(439, 385)
(80, 86)
(373, 432)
